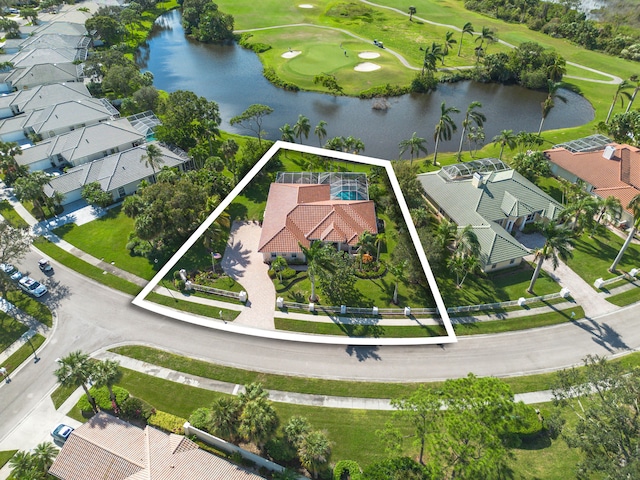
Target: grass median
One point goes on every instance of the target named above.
(85, 268)
(195, 308)
(625, 298)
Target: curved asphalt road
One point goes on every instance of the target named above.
(91, 317)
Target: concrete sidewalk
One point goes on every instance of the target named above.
(277, 395)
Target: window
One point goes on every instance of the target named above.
(273, 255)
(512, 261)
(294, 255)
(121, 192)
(493, 266)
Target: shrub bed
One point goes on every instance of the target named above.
(103, 400)
(271, 75)
(167, 422)
(287, 273)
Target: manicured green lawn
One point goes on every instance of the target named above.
(5, 456)
(11, 216)
(592, 257)
(625, 298)
(191, 307)
(85, 268)
(60, 394)
(31, 306)
(106, 238)
(351, 431)
(22, 354)
(10, 330)
(376, 331)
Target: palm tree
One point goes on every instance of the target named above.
(636, 80)
(634, 205)
(366, 244)
(320, 131)
(448, 44)
(620, 91)
(316, 256)
(471, 116)
(444, 128)
(415, 145)
(106, 374)
(412, 12)
(296, 429)
(558, 243)
(258, 421)
(557, 68)
(43, 456)
(549, 102)
(397, 270)
(468, 29)
(75, 370)
(610, 209)
(431, 57)
(22, 465)
(287, 133)
(302, 127)
(279, 264)
(462, 266)
(229, 148)
(581, 212)
(153, 158)
(314, 452)
(486, 35)
(225, 417)
(506, 138)
(380, 239)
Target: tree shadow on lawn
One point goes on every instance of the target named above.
(538, 441)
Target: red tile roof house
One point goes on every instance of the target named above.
(108, 448)
(612, 171)
(302, 213)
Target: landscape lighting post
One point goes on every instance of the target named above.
(27, 336)
(213, 263)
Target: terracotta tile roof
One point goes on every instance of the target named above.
(304, 212)
(619, 176)
(110, 449)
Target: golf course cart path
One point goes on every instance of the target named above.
(613, 79)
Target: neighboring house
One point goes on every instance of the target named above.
(81, 146)
(300, 213)
(119, 174)
(108, 448)
(42, 74)
(40, 97)
(495, 200)
(68, 27)
(39, 56)
(611, 170)
(57, 119)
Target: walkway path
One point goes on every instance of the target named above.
(244, 264)
(278, 395)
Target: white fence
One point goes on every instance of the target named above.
(242, 296)
(230, 448)
(406, 311)
(599, 283)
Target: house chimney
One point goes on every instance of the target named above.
(476, 180)
(625, 165)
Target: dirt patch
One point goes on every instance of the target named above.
(367, 67)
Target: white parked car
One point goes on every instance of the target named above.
(7, 267)
(17, 275)
(32, 287)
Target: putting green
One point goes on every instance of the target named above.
(323, 58)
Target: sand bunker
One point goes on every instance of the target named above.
(305, 5)
(369, 55)
(291, 54)
(366, 67)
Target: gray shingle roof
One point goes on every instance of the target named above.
(62, 115)
(40, 56)
(43, 74)
(503, 194)
(111, 172)
(44, 95)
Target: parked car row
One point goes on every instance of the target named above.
(28, 284)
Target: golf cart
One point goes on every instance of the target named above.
(44, 265)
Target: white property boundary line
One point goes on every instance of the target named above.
(140, 301)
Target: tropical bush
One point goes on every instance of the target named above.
(167, 422)
(347, 470)
(103, 400)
